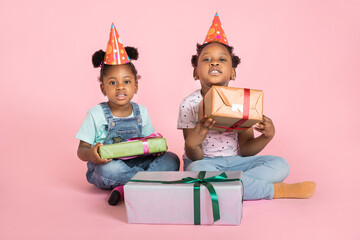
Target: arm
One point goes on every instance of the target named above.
(88, 153)
(248, 145)
(194, 138)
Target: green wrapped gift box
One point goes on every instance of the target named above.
(133, 148)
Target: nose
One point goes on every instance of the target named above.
(214, 63)
(121, 86)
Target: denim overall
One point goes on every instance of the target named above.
(121, 129)
(118, 172)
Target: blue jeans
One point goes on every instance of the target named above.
(260, 172)
(119, 172)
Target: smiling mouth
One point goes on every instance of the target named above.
(121, 96)
(214, 71)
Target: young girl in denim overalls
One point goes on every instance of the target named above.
(117, 120)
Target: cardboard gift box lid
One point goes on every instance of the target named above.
(133, 148)
(233, 109)
(157, 203)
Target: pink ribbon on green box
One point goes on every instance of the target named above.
(144, 142)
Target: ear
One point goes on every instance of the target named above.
(233, 74)
(102, 88)
(136, 86)
(195, 75)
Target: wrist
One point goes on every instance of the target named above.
(191, 146)
(194, 152)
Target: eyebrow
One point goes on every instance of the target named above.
(116, 77)
(222, 53)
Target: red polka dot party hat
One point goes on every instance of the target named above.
(115, 52)
(216, 33)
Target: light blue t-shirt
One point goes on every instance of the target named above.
(93, 130)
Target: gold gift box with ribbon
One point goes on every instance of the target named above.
(233, 109)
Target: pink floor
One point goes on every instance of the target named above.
(303, 54)
(50, 199)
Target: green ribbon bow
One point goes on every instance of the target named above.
(201, 180)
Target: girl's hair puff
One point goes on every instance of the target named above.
(98, 58)
(199, 47)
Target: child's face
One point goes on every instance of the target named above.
(119, 85)
(214, 66)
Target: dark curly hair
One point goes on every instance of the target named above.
(199, 47)
(98, 58)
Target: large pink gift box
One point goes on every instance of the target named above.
(159, 203)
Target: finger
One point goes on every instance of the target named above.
(262, 120)
(259, 130)
(203, 119)
(106, 160)
(212, 123)
(96, 147)
(259, 125)
(266, 119)
(207, 123)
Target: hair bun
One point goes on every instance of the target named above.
(98, 58)
(132, 52)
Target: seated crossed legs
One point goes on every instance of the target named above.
(263, 175)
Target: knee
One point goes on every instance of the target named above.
(107, 175)
(172, 161)
(282, 168)
(200, 165)
(193, 166)
(111, 169)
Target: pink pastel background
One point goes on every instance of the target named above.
(303, 54)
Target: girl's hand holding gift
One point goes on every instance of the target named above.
(200, 131)
(196, 136)
(266, 127)
(96, 157)
(88, 153)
